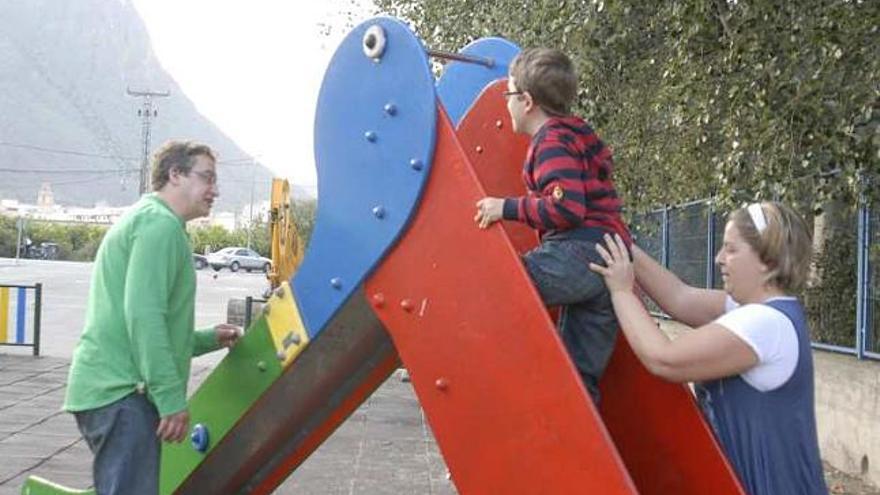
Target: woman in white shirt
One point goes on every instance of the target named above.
(749, 354)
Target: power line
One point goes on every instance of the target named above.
(70, 171)
(234, 162)
(90, 179)
(63, 152)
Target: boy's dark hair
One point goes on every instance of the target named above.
(548, 75)
(178, 155)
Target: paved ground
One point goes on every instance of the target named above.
(385, 447)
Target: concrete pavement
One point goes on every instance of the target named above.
(385, 447)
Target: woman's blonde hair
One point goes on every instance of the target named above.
(784, 245)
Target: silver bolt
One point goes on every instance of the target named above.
(390, 109)
(416, 164)
(371, 136)
(291, 339)
(379, 212)
(336, 282)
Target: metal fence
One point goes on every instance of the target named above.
(20, 312)
(870, 278)
(685, 238)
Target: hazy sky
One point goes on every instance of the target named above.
(254, 67)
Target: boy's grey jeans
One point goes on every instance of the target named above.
(587, 323)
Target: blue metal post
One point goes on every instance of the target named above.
(38, 314)
(710, 245)
(664, 237)
(20, 315)
(862, 280)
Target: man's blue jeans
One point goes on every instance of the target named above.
(122, 436)
(587, 323)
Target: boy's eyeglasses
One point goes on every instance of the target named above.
(508, 94)
(210, 178)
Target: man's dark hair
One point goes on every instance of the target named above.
(178, 155)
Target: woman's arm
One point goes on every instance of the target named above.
(690, 305)
(709, 352)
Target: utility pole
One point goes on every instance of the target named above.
(20, 223)
(146, 113)
(251, 208)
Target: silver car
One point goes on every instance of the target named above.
(236, 258)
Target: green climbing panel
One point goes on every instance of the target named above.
(228, 392)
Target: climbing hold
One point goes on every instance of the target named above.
(199, 438)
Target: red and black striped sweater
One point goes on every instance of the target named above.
(570, 192)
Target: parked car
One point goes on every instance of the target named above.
(41, 251)
(200, 261)
(236, 258)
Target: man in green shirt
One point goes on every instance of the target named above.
(127, 383)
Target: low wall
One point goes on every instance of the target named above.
(848, 413)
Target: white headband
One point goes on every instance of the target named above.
(758, 218)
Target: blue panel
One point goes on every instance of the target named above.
(374, 141)
(20, 317)
(462, 82)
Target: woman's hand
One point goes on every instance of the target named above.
(618, 270)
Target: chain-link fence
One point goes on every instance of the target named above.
(843, 300)
(650, 234)
(689, 243)
(872, 287)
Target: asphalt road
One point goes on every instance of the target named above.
(66, 288)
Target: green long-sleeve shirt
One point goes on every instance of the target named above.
(139, 327)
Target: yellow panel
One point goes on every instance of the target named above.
(4, 314)
(285, 324)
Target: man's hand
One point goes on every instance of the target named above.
(489, 211)
(174, 427)
(227, 335)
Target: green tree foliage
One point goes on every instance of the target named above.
(735, 99)
(8, 236)
(76, 242)
(215, 238)
(304, 218)
(80, 242)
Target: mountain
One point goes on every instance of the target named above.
(65, 116)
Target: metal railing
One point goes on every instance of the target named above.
(685, 238)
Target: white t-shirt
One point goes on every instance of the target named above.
(770, 334)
